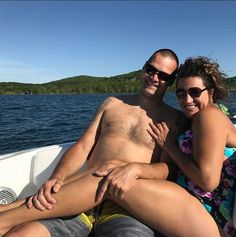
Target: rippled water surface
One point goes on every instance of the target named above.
(28, 121)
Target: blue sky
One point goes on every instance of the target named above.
(42, 41)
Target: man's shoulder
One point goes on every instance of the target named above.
(119, 99)
(112, 101)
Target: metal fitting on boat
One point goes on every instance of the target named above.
(7, 195)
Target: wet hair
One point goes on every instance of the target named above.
(208, 70)
(167, 53)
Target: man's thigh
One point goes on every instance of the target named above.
(29, 229)
(71, 226)
(123, 227)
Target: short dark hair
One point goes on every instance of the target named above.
(170, 53)
(165, 52)
(208, 70)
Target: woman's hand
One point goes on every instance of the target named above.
(118, 181)
(106, 168)
(162, 135)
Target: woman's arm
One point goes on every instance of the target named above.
(208, 148)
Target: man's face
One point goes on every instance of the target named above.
(156, 73)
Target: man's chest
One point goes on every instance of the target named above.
(130, 123)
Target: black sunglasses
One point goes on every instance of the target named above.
(150, 70)
(194, 92)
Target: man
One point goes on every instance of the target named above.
(116, 138)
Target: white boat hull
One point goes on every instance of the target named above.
(24, 172)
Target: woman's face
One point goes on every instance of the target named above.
(192, 95)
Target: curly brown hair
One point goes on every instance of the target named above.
(209, 71)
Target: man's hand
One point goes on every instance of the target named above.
(118, 181)
(43, 198)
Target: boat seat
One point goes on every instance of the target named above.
(44, 163)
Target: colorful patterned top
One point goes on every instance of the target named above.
(218, 203)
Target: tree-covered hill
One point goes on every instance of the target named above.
(230, 83)
(124, 83)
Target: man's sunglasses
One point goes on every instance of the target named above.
(194, 92)
(150, 70)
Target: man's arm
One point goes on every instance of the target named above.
(71, 162)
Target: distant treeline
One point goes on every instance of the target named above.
(125, 83)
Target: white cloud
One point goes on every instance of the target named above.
(15, 71)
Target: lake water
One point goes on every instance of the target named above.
(29, 121)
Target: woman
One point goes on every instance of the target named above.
(206, 162)
(164, 205)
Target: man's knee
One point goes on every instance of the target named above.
(35, 229)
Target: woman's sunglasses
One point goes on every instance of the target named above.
(150, 70)
(194, 92)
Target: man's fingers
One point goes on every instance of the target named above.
(43, 200)
(57, 186)
(37, 204)
(29, 202)
(47, 195)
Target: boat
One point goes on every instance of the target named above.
(23, 172)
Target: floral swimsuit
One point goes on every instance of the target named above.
(218, 203)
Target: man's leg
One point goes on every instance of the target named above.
(126, 226)
(162, 205)
(77, 202)
(114, 221)
(70, 226)
(29, 229)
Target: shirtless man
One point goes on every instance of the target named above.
(117, 137)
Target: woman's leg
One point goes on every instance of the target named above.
(73, 198)
(168, 208)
